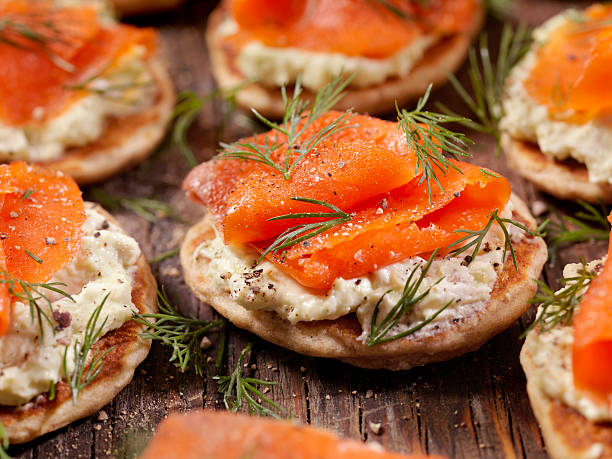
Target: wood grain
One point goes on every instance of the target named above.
(473, 406)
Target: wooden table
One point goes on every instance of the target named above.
(473, 406)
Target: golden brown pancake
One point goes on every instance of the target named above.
(567, 433)
(567, 179)
(126, 141)
(26, 422)
(338, 338)
(442, 58)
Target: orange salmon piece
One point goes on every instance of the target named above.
(215, 434)
(571, 75)
(349, 27)
(394, 226)
(40, 233)
(592, 347)
(39, 74)
(346, 168)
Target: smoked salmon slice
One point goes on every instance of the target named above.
(368, 171)
(40, 225)
(571, 74)
(407, 226)
(214, 434)
(38, 75)
(345, 169)
(349, 27)
(592, 347)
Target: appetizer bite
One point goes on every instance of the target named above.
(396, 48)
(78, 93)
(557, 106)
(235, 436)
(567, 358)
(346, 236)
(70, 281)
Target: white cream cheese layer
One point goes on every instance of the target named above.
(524, 118)
(104, 265)
(551, 352)
(275, 66)
(124, 88)
(266, 287)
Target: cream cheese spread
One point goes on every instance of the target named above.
(276, 66)
(526, 119)
(104, 265)
(551, 352)
(124, 88)
(266, 287)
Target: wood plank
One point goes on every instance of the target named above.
(473, 406)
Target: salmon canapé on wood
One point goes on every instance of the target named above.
(367, 170)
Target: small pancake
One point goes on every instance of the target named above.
(567, 179)
(443, 57)
(40, 416)
(338, 338)
(126, 141)
(132, 7)
(567, 433)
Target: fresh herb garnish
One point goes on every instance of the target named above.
(498, 8)
(31, 293)
(557, 308)
(188, 107)
(410, 297)
(392, 8)
(148, 208)
(475, 239)
(429, 140)
(33, 257)
(300, 233)
(26, 194)
(86, 369)
(4, 442)
(285, 139)
(487, 80)
(183, 334)
(165, 255)
(51, 395)
(238, 389)
(116, 92)
(13, 32)
(588, 224)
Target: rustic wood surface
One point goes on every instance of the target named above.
(474, 406)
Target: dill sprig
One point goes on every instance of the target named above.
(300, 233)
(165, 255)
(483, 96)
(588, 224)
(557, 308)
(40, 39)
(475, 239)
(148, 208)
(410, 297)
(182, 334)
(4, 442)
(115, 92)
(299, 115)
(86, 368)
(430, 140)
(238, 389)
(499, 9)
(188, 107)
(392, 8)
(33, 293)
